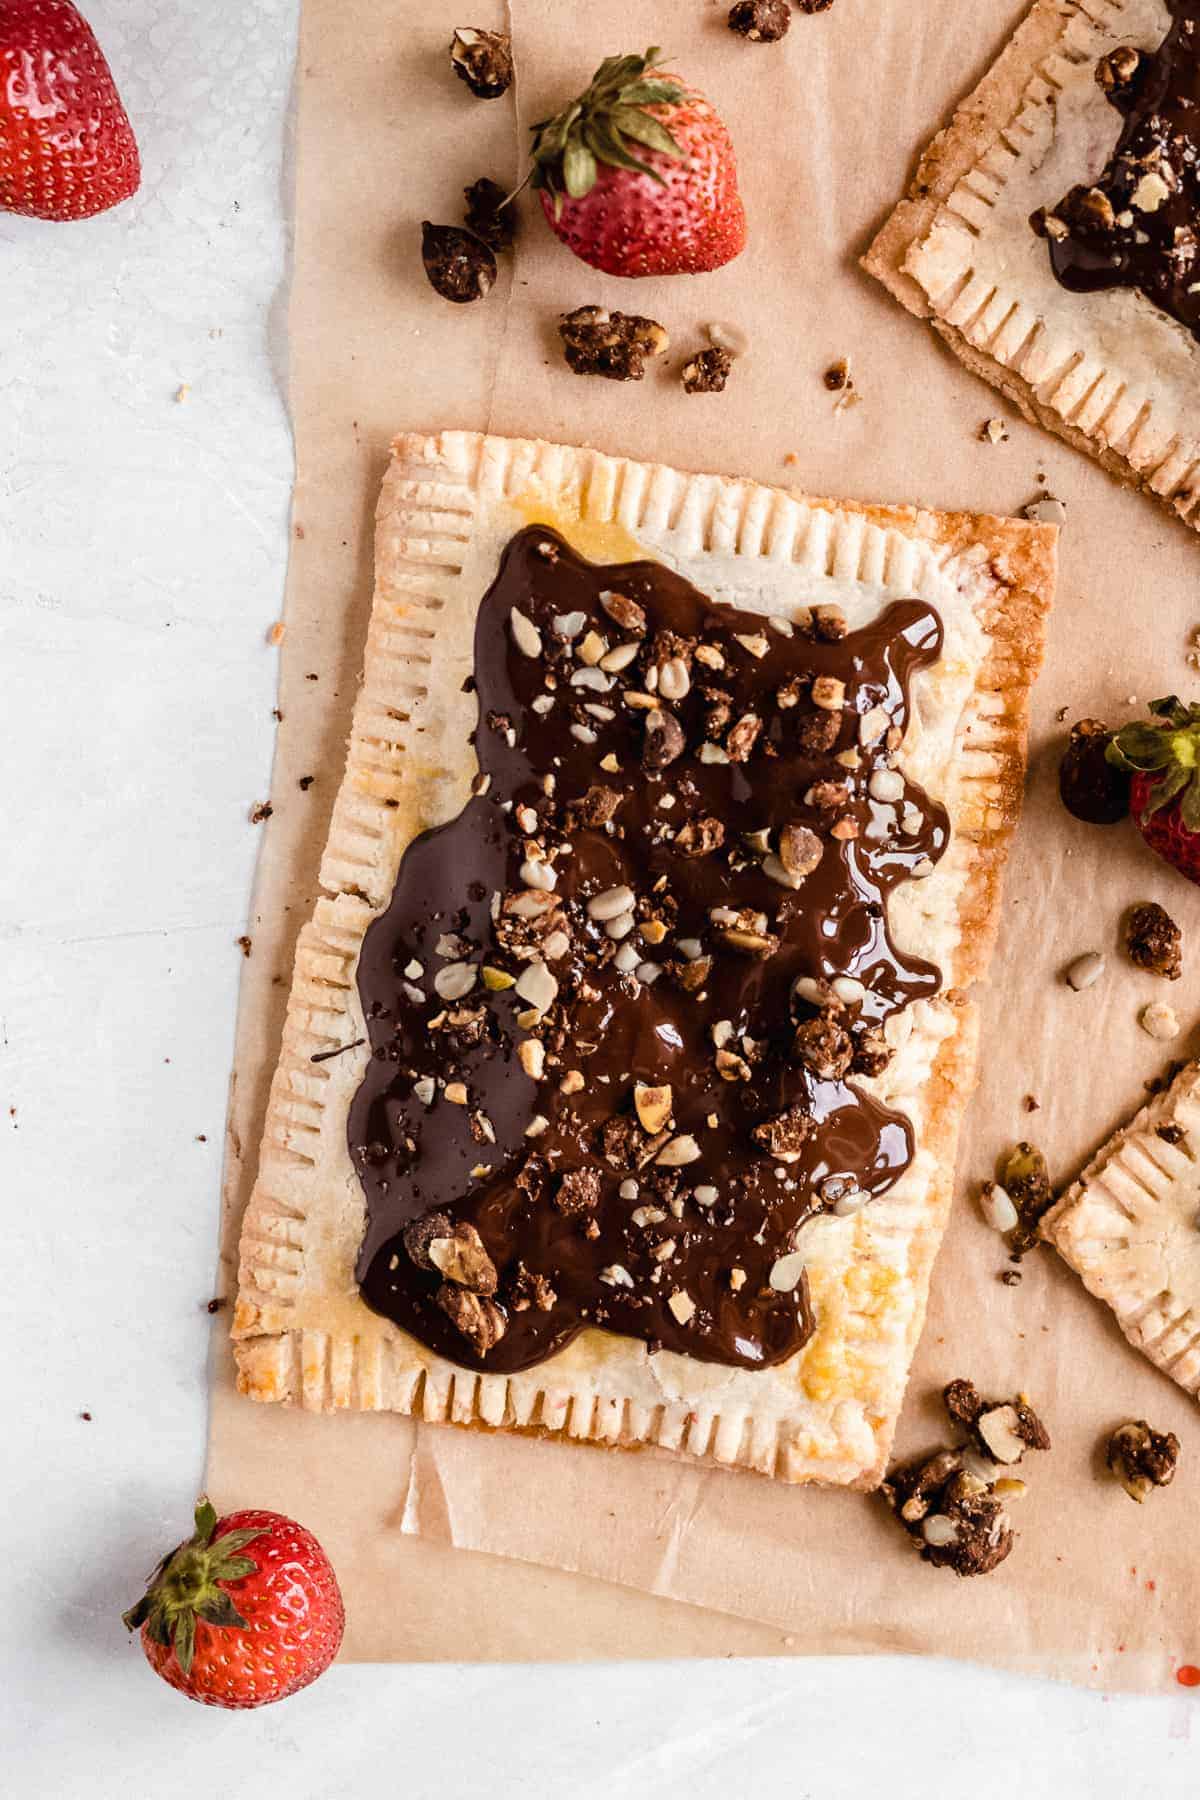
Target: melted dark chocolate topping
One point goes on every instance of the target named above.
(661, 950)
(1137, 226)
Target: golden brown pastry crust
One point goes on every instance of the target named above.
(449, 503)
(1108, 373)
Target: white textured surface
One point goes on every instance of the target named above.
(142, 550)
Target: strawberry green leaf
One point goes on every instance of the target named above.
(231, 1541)
(1165, 789)
(185, 1640)
(1189, 806)
(233, 1569)
(607, 146)
(644, 128)
(219, 1609)
(652, 93)
(579, 169)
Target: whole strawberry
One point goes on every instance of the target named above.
(1163, 759)
(638, 176)
(67, 150)
(246, 1611)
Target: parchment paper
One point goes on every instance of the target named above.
(827, 125)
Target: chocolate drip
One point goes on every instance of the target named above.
(584, 1221)
(1137, 226)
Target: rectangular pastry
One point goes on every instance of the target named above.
(1128, 1227)
(1050, 235)
(627, 1046)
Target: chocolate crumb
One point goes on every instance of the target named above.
(305, 782)
(245, 945)
(261, 813)
(1142, 1458)
(490, 214)
(1154, 941)
(837, 376)
(1031, 1105)
(460, 266)
(1170, 1134)
(1089, 786)
(483, 59)
(1011, 1277)
(1026, 1180)
(814, 6)
(707, 372)
(86, 1417)
(761, 21)
(216, 1305)
(616, 345)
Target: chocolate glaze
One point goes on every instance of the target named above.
(1132, 244)
(612, 1027)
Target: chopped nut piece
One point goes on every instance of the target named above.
(692, 974)
(1117, 71)
(787, 1272)
(422, 1232)
(459, 265)
(679, 1152)
(481, 1321)
(456, 1093)
(531, 1054)
(653, 1106)
(800, 850)
(737, 1279)
(993, 431)
(829, 624)
(624, 612)
(750, 943)
(823, 1046)
(525, 633)
(1154, 941)
(578, 1192)
(1141, 1458)
(784, 1136)
(530, 1289)
(664, 741)
(1002, 1429)
(700, 837)
(460, 1256)
(616, 345)
(997, 1208)
(708, 372)
(731, 1067)
(1085, 971)
(1160, 1021)
(829, 693)
(682, 1307)
(742, 738)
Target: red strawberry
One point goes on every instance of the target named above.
(66, 146)
(235, 1629)
(638, 175)
(1163, 759)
